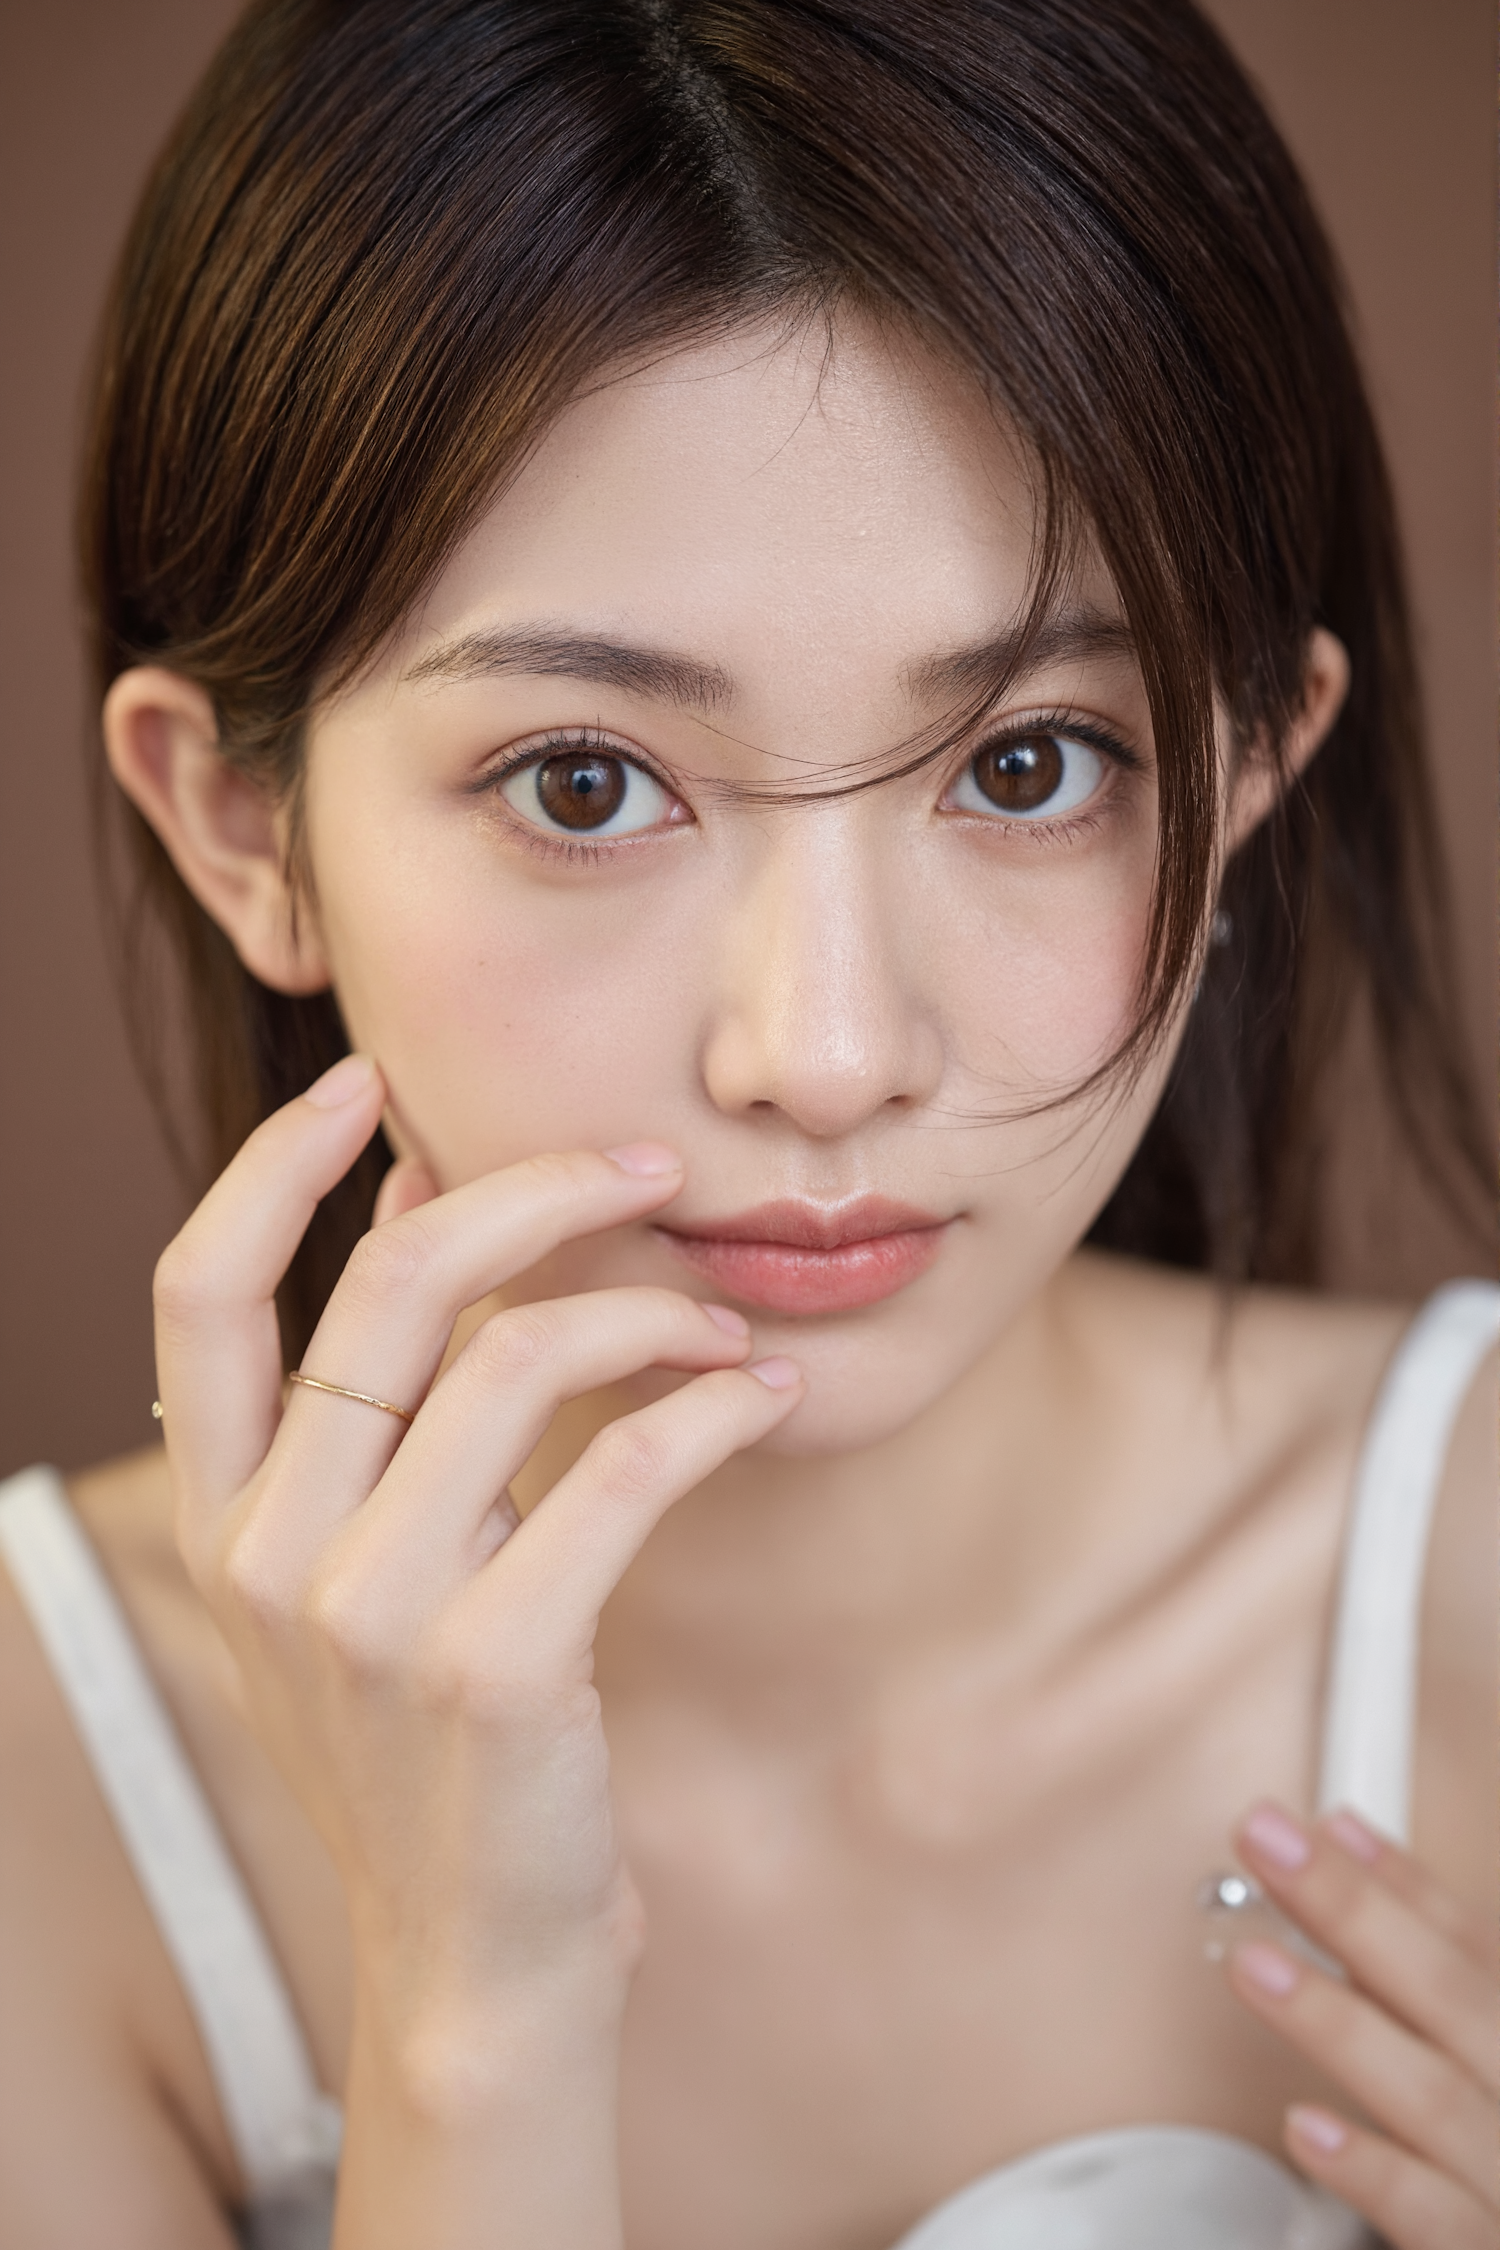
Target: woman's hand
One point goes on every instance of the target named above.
(1414, 2035)
(419, 1661)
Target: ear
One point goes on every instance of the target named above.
(225, 836)
(1260, 781)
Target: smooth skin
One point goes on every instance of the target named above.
(721, 1776)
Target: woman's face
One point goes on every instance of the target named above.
(548, 914)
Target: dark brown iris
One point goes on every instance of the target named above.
(581, 791)
(1019, 777)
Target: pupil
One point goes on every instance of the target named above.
(581, 792)
(1020, 776)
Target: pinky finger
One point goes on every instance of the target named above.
(1411, 2203)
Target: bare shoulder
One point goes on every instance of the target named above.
(1292, 1378)
(1274, 1369)
(97, 2051)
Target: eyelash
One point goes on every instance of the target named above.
(577, 851)
(571, 851)
(1065, 830)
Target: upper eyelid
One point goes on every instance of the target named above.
(1094, 734)
(1075, 726)
(554, 740)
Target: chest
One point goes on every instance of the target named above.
(887, 1957)
(866, 1987)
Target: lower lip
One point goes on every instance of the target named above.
(786, 1279)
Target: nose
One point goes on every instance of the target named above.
(817, 1015)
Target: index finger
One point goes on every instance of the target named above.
(390, 1317)
(391, 1313)
(218, 1346)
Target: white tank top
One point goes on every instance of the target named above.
(1146, 2187)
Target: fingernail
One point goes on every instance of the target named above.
(776, 1374)
(1319, 2128)
(1348, 1829)
(1268, 1967)
(645, 1160)
(724, 1316)
(1277, 1837)
(346, 1079)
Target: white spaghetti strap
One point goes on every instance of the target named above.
(284, 2130)
(1372, 1690)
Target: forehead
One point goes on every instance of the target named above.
(806, 497)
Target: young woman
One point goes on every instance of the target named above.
(758, 653)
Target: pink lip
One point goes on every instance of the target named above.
(798, 1258)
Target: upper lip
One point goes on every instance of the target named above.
(809, 1226)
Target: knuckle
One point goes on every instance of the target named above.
(515, 1345)
(350, 1627)
(390, 1262)
(633, 1459)
(253, 1581)
(179, 1284)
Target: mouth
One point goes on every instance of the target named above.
(808, 1258)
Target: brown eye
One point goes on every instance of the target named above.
(1019, 776)
(587, 793)
(1027, 777)
(581, 792)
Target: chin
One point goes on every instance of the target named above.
(821, 1429)
(860, 1391)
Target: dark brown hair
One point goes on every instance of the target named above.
(390, 239)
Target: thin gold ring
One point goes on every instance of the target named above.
(361, 1398)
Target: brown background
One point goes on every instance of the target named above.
(1387, 105)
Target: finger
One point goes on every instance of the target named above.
(539, 1600)
(1412, 2205)
(439, 1512)
(1406, 1876)
(389, 1319)
(1394, 1946)
(1420, 2095)
(218, 1350)
(406, 1186)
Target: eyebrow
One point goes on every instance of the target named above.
(1067, 633)
(669, 677)
(552, 652)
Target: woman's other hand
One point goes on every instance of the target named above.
(1414, 2035)
(419, 1660)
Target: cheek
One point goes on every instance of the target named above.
(1045, 971)
(506, 1019)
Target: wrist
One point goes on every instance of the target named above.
(450, 2050)
(486, 2123)
(441, 1976)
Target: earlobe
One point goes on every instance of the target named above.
(222, 831)
(1261, 780)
